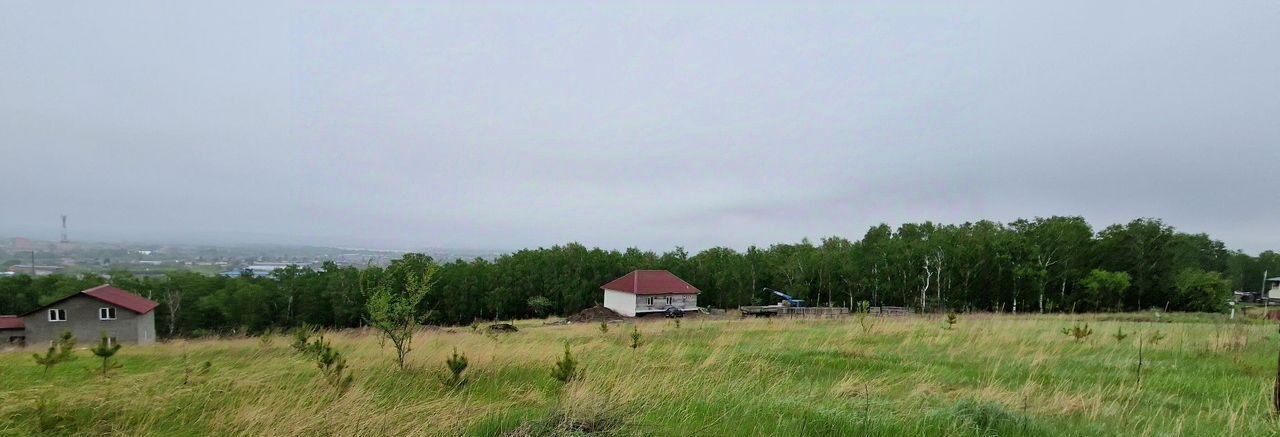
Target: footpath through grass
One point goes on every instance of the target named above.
(990, 375)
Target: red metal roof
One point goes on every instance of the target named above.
(121, 298)
(651, 282)
(11, 322)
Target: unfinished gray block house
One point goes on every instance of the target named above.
(123, 316)
(648, 292)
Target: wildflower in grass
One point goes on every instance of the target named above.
(566, 368)
(456, 364)
(106, 349)
(60, 351)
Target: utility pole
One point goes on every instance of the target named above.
(33, 264)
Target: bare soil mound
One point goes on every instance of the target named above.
(596, 313)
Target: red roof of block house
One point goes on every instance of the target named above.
(121, 298)
(651, 282)
(11, 322)
(114, 296)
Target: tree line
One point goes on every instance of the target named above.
(1054, 264)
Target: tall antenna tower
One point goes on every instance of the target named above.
(64, 229)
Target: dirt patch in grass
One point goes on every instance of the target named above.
(596, 313)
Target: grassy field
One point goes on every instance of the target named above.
(990, 375)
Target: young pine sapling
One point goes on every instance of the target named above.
(1120, 335)
(566, 368)
(456, 364)
(191, 373)
(106, 348)
(60, 351)
(332, 365)
(1078, 331)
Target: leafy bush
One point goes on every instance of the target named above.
(604, 327)
(635, 337)
(540, 305)
(951, 320)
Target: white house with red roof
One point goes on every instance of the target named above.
(124, 317)
(648, 292)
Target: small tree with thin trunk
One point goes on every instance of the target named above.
(394, 311)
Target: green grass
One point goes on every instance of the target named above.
(991, 375)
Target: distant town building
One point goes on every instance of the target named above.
(262, 269)
(38, 270)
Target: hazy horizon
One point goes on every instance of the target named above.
(505, 126)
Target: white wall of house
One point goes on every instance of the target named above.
(1274, 292)
(660, 302)
(620, 302)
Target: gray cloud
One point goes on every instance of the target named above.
(632, 124)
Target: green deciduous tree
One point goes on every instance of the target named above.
(393, 310)
(1199, 290)
(1104, 289)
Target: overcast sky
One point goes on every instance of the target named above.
(505, 126)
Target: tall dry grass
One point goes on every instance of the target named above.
(991, 374)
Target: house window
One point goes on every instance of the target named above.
(649, 300)
(106, 313)
(57, 315)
